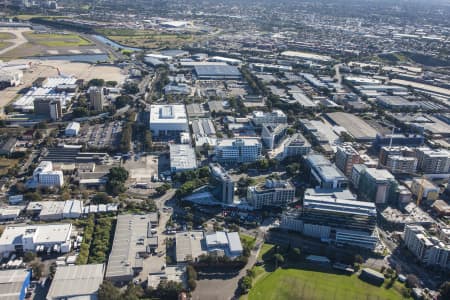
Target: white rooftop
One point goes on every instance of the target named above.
(163, 114)
(51, 233)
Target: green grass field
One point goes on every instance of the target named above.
(6, 36)
(297, 284)
(57, 40)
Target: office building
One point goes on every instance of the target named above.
(182, 158)
(23, 238)
(168, 120)
(296, 146)
(346, 157)
(72, 129)
(273, 135)
(430, 250)
(324, 174)
(14, 284)
(76, 282)
(129, 248)
(377, 185)
(272, 193)
(223, 243)
(274, 117)
(97, 98)
(433, 161)
(238, 150)
(49, 108)
(224, 184)
(44, 175)
(326, 215)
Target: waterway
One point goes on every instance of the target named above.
(113, 44)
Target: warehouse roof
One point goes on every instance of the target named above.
(76, 281)
(356, 126)
(11, 283)
(217, 71)
(182, 157)
(162, 114)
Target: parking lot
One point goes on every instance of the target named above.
(101, 135)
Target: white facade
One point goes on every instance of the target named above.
(45, 176)
(168, 120)
(429, 250)
(273, 193)
(72, 129)
(274, 117)
(28, 238)
(238, 150)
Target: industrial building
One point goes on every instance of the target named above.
(23, 238)
(272, 193)
(203, 132)
(328, 215)
(189, 246)
(48, 107)
(14, 284)
(182, 158)
(76, 281)
(275, 117)
(225, 184)
(397, 139)
(238, 150)
(377, 185)
(430, 250)
(168, 120)
(324, 174)
(44, 175)
(72, 129)
(346, 157)
(396, 103)
(296, 145)
(217, 72)
(273, 135)
(354, 125)
(224, 244)
(129, 247)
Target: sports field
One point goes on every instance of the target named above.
(56, 40)
(297, 284)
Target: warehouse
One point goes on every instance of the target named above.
(396, 103)
(182, 158)
(217, 72)
(81, 281)
(28, 238)
(168, 120)
(129, 248)
(355, 126)
(14, 284)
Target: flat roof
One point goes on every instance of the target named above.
(182, 157)
(217, 71)
(11, 283)
(45, 234)
(123, 257)
(356, 126)
(306, 55)
(76, 281)
(163, 114)
(189, 245)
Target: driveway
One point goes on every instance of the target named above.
(224, 288)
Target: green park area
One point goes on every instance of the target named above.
(56, 40)
(296, 279)
(146, 38)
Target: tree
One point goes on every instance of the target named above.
(118, 173)
(444, 290)
(122, 101)
(168, 290)
(37, 269)
(107, 291)
(101, 198)
(80, 112)
(29, 256)
(111, 83)
(359, 259)
(412, 281)
(296, 252)
(96, 82)
(279, 260)
(130, 88)
(245, 284)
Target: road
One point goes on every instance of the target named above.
(18, 41)
(223, 288)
